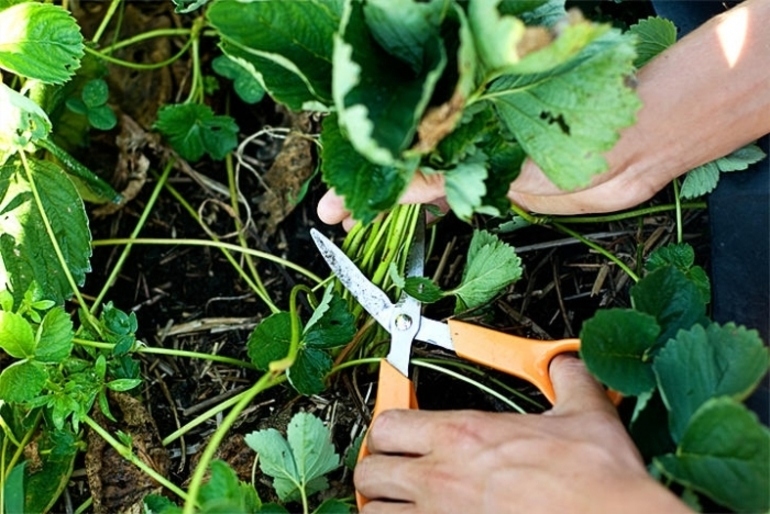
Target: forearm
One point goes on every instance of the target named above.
(704, 97)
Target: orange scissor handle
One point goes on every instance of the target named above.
(394, 391)
(518, 356)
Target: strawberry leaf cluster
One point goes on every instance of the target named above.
(465, 89)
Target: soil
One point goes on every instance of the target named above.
(190, 298)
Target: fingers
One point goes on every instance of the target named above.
(331, 208)
(402, 431)
(424, 189)
(386, 477)
(576, 390)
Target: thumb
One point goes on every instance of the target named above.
(577, 391)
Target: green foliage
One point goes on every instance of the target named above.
(402, 75)
(26, 251)
(271, 341)
(40, 41)
(491, 266)
(689, 375)
(92, 104)
(299, 463)
(223, 493)
(653, 36)
(24, 122)
(194, 130)
(725, 454)
(704, 179)
(287, 44)
(248, 89)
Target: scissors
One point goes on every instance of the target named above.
(518, 356)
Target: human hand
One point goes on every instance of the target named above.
(576, 458)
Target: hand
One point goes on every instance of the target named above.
(575, 458)
(686, 121)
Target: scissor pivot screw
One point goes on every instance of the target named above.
(403, 322)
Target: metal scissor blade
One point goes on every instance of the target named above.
(371, 297)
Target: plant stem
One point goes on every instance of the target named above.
(216, 244)
(139, 66)
(479, 385)
(563, 228)
(282, 365)
(196, 86)
(54, 242)
(145, 36)
(129, 455)
(679, 227)
(105, 21)
(265, 382)
(607, 254)
(83, 506)
(234, 195)
(138, 228)
(262, 295)
(22, 444)
(169, 351)
(606, 218)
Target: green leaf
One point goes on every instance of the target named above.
(188, 6)
(505, 161)
(16, 335)
(25, 248)
(378, 97)
(23, 122)
(724, 454)
(567, 117)
(95, 93)
(270, 340)
(517, 7)
(547, 14)
(157, 504)
(224, 492)
(721, 361)
(497, 35)
(423, 289)
(288, 44)
(102, 118)
(123, 384)
(492, 266)
(333, 506)
(464, 186)
(367, 188)
(336, 327)
(57, 450)
(22, 381)
(56, 334)
(681, 256)
(653, 35)
(313, 450)
(13, 489)
(615, 346)
(94, 188)
(675, 301)
(40, 41)
(704, 179)
(309, 370)
(300, 463)
(404, 28)
(194, 129)
(246, 86)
